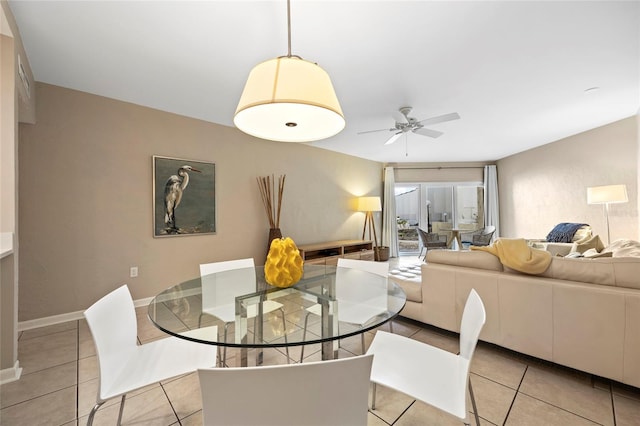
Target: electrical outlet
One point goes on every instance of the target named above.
(133, 271)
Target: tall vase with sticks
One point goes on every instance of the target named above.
(272, 202)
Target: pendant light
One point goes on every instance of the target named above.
(288, 99)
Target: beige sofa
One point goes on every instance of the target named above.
(581, 313)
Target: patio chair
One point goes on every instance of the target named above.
(481, 237)
(431, 240)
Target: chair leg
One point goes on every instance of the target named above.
(93, 413)
(373, 396)
(391, 326)
(284, 328)
(121, 409)
(224, 351)
(473, 404)
(362, 342)
(304, 334)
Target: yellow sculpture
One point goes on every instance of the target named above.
(284, 263)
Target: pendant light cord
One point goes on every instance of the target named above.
(289, 55)
(289, 27)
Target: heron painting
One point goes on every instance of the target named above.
(184, 197)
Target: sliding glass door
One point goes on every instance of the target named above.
(436, 207)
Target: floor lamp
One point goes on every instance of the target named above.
(608, 194)
(370, 205)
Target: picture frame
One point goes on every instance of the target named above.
(181, 209)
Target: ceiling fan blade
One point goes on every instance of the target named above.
(440, 119)
(428, 132)
(400, 117)
(373, 131)
(393, 138)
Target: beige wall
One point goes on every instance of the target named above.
(548, 185)
(85, 198)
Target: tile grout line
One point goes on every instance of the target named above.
(515, 395)
(402, 414)
(562, 409)
(613, 404)
(175, 413)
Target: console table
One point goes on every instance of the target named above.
(329, 252)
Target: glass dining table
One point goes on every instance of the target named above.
(329, 303)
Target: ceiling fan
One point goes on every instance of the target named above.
(405, 124)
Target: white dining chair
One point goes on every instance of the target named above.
(427, 373)
(331, 393)
(219, 292)
(350, 308)
(125, 366)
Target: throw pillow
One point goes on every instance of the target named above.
(582, 234)
(592, 254)
(592, 243)
(624, 248)
(564, 232)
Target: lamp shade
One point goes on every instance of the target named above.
(288, 99)
(369, 204)
(607, 194)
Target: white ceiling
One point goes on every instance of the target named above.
(515, 71)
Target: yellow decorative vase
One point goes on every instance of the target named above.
(283, 267)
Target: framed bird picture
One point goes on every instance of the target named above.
(184, 197)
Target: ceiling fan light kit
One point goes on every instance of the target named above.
(288, 99)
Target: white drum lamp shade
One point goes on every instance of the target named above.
(608, 194)
(288, 99)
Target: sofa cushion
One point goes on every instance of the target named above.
(611, 271)
(468, 259)
(596, 271)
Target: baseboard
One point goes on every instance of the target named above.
(12, 374)
(70, 316)
(52, 320)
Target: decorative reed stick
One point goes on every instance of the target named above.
(272, 206)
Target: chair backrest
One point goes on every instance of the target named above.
(489, 229)
(473, 319)
(314, 393)
(379, 268)
(364, 284)
(423, 236)
(113, 325)
(428, 238)
(222, 288)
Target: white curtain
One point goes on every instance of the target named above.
(491, 210)
(389, 225)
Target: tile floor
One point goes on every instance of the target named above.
(59, 382)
